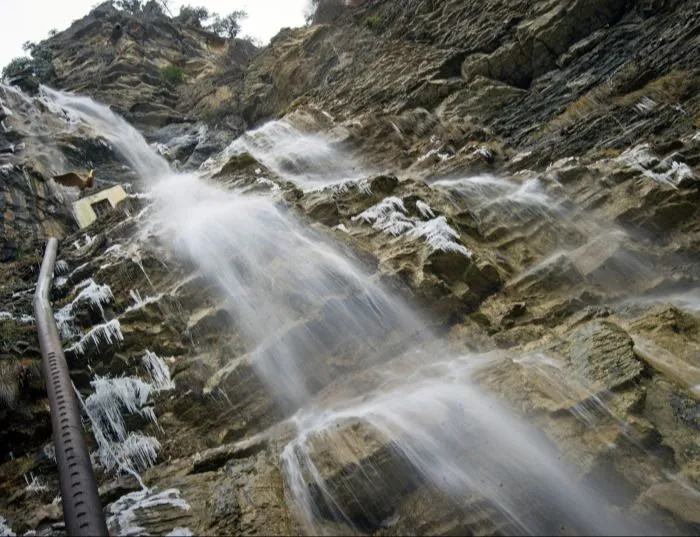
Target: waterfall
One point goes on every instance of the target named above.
(104, 123)
(308, 313)
(308, 160)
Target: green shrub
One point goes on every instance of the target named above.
(40, 65)
(174, 75)
(480, 318)
(373, 22)
(43, 63)
(18, 66)
(193, 16)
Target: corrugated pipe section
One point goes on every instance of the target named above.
(82, 510)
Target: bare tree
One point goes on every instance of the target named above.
(229, 26)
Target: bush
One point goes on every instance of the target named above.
(138, 7)
(373, 22)
(40, 65)
(326, 11)
(174, 75)
(43, 63)
(18, 67)
(193, 16)
(130, 6)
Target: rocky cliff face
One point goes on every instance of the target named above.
(153, 69)
(525, 175)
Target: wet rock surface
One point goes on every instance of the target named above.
(529, 182)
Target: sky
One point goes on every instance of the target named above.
(31, 20)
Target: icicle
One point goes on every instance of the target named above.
(109, 456)
(95, 294)
(484, 152)
(122, 513)
(34, 484)
(131, 452)
(24, 292)
(365, 187)
(646, 106)
(266, 182)
(140, 450)
(109, 332)
(136, 258)
(641, 159)
(387, 216)
(180, 532)
(90, 292)
(425, 209)
(64, 321)
(158, 371)
(23, 319)
(383, 208)
(141, 302)
(5, 530)
(439, 236)
(136, 297)
(111, 395)
(434, 152)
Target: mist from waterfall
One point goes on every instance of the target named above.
(309, 160)
(105, 124)
(295, 299)
(310, 317)
(435, 427)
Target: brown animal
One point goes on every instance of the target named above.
(73, 179)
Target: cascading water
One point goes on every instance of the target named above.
(437, 428)
(295, 299)
(536, 218)
(125, 139)
(308, 160)
(309, 316)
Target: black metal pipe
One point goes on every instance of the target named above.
(82, 510)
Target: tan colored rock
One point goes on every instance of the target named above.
(602, 353)
(360, 467)
(681, 500)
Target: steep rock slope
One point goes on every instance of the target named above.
(554, 78)
(567, 285)
(120, 59)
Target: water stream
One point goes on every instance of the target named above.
(308, 160)
(311, 318)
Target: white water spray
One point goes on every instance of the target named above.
(299, 304)
(306, 159)
(124, 138)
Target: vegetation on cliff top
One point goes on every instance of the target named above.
(38, 64)
(225, 26)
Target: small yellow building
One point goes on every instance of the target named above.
(87, 210)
